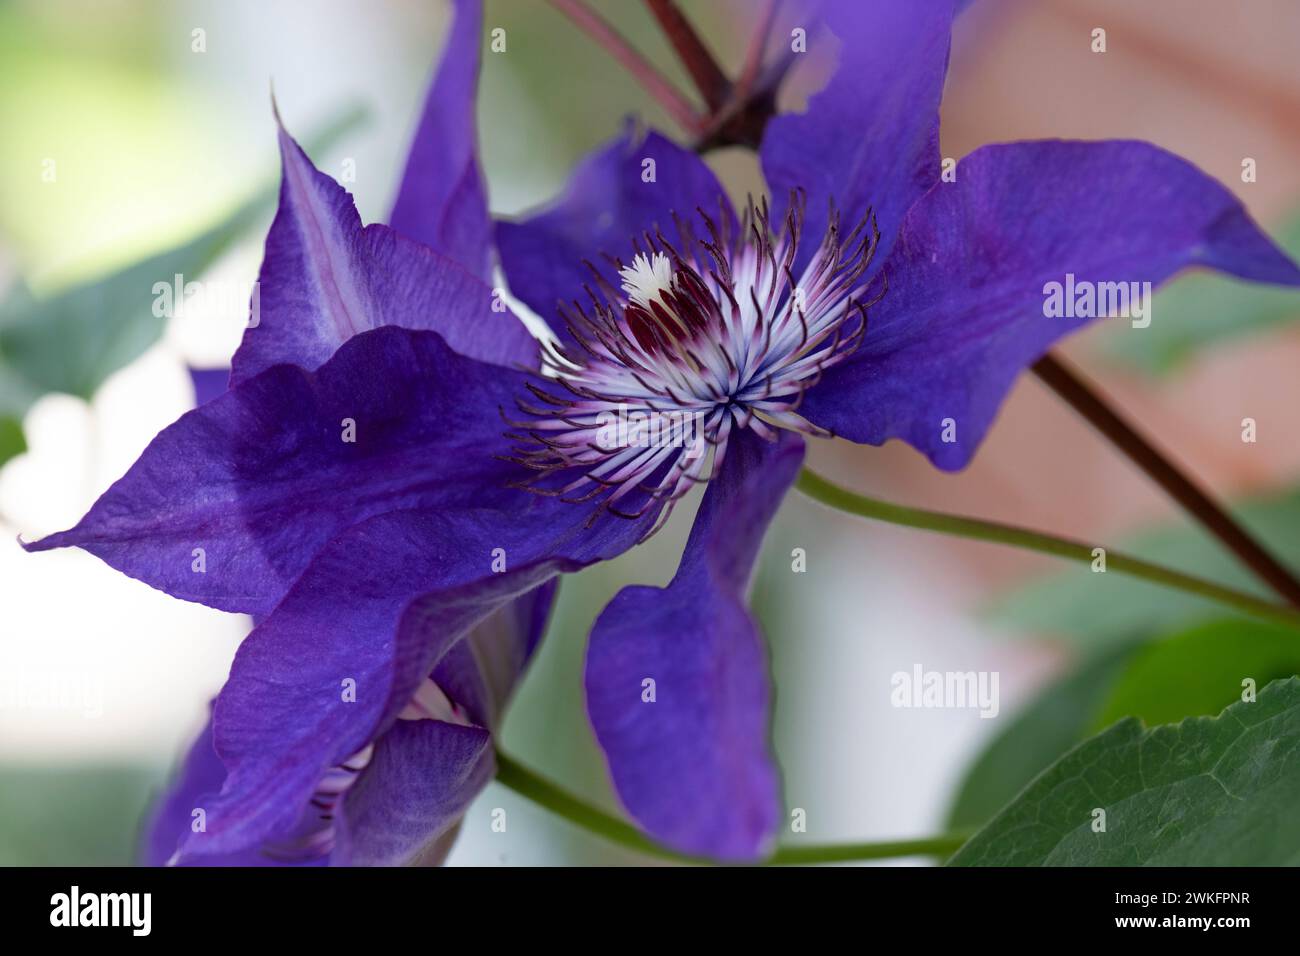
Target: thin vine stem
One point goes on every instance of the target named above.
(943, 845)
(709, 79)
(818, 488)
(1086, 399)
(544, 793)
(655, 83)
(757, 48)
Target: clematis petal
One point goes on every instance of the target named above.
(422, 776)
(694, 767)
(870, 138)
(182, 808)
(229, 504)
(375, 612)
(326, 278)
(407, 805)
(208, 383)
(480, 672)
(968, 281)
(632, 185)
(442, 201)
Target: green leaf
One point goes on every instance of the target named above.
(1199, 671)
(1096, 610)
(1210, 791)
(1190, 673)
(83, 816)
(1205, 308)
(1060, 717)
(73, 340)
(12, 440)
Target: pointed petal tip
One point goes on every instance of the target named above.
(1282, 271)
(289, 147)
(282, 135)
(442, 198)
(47, 543)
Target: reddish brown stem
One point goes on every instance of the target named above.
(757, 47)
(1088, 401)
(753, 98)
(655, 83)
(709, 79)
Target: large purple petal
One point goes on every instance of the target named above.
(199, 779)
(261, 477)
(606, 205)
(376, 611)
(326, 278)
(694, 766)
(442, 201)
(965, 309)
(870, 139)
(420, 780)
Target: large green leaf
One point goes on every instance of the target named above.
(1095, 609)
(1056, 720)
(1210, 791)
(1204, 308)
(71, 341)
(1187, 674)
(1199, 671)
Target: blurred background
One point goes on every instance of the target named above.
(127, 154)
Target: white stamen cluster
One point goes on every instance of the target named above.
(720, 334)
(647, 279)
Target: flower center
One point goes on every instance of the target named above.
(696, 344)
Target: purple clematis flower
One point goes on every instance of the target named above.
(354, 490)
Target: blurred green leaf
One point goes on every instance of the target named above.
(1199, 671)
(1210, 791)
(1205, 308)
(83, 816)
(73, 340)
(1095, 610)
(1060, 717)
(12, 440)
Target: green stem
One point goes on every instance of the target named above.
(544, 793)
(943, 845)
(818, 488)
